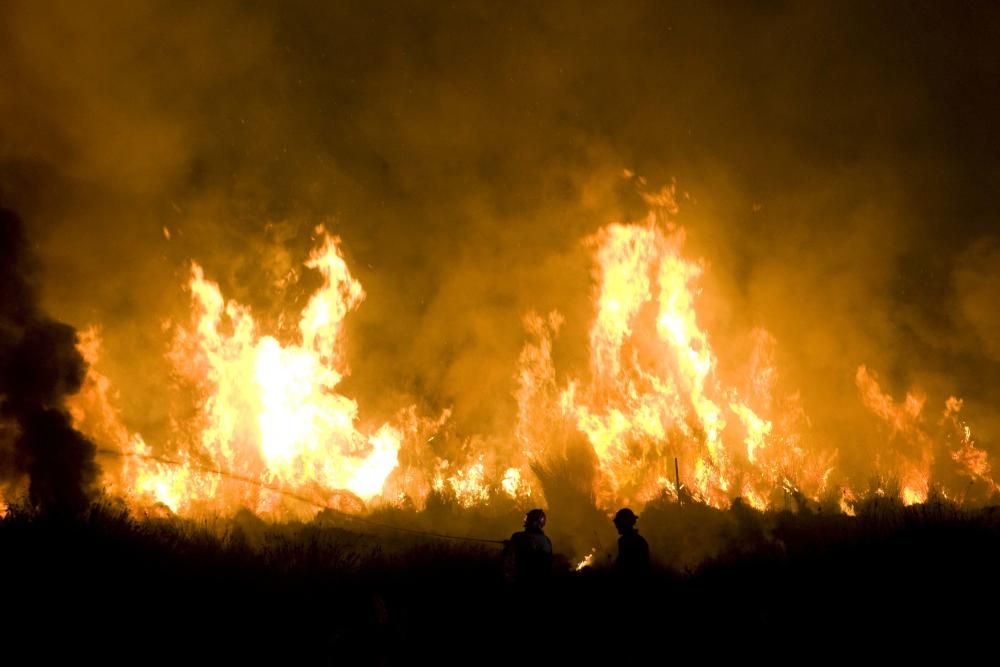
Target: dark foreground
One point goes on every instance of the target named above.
(791, 588)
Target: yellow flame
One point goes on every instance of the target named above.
(915, 446)
(270, 410)
(514, 485)
(653, 390)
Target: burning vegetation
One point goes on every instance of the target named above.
(268, 429)
(304, 307)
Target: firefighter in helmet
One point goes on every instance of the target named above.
(633, 550)
(528, 553)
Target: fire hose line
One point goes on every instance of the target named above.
(290, 494)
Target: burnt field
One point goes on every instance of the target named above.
(113, 587)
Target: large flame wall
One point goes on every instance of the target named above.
(272, 431)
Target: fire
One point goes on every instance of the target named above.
(654, 391)
(471, 485)
(271, 429)
(468, 485)
(513, 484)
(587, 560)
(271, 413)
(919, 451)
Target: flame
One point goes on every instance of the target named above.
(471, 486)
(270, 412)
(654, 391)
(587, 560)
(972, 461)
(846, 502)
(468, 485)
(919, 451)
(514, 485)
(269, 425)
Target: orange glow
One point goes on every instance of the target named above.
(270, 413)
(916, 446)
(654, 392)
(270, 422)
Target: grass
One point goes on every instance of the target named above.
(239, 589)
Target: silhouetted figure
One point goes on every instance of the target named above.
(528, 553)
(633, 551)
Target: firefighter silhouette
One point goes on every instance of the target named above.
(528, 553)
(633, 550)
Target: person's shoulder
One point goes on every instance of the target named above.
(633, 539)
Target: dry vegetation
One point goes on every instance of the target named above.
(109, 584)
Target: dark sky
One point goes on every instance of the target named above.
(839, 161)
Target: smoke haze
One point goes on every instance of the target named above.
(835, 165)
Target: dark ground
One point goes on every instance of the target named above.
(791, 588)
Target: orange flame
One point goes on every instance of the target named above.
(653, 390)
(917, 450)
(270, 419)
(271, 411)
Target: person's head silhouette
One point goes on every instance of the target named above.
(534, 520)
(625, 520)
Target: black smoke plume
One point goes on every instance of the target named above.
(39, 367)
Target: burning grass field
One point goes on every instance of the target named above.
(112, 586)
(268, 521)
(304, 305)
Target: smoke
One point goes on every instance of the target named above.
(838, 167)
(977, 284)
(39, 367)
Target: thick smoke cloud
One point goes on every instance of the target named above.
(838, 160)
(39, 367)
